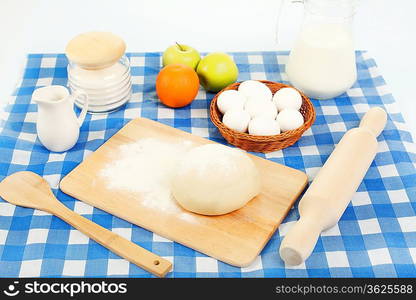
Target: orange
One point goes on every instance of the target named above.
(177, 85)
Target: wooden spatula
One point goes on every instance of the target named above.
(30, 190)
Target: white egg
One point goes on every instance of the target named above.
(257, 108)
(255, 89)
(287, 98)
(236, 119)
(230, 100)
(263, 126)
(289, 119)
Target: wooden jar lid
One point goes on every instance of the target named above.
(95, 50)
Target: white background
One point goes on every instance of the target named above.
(385, 28)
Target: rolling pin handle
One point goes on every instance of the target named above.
(299, 242)
(374, 120)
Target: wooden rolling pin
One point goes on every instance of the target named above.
(328, 196)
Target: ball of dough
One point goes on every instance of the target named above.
(255, 89)
(289, 119)
(257, 108)
(230, 100)
(263, 126)
(214, 179)
(287, 98)
(236, 119)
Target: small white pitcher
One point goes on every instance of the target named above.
(57, 124)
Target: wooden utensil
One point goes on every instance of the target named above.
(326, 199)
(30, 190)
(235, 238)
(95, 50)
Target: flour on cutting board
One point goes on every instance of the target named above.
(145, 167)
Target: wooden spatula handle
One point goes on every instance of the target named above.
(119, 245)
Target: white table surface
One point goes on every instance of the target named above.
(385, 28)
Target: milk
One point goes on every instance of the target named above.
(322, 62)
(98, 78)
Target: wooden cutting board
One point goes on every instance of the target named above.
(235, 238)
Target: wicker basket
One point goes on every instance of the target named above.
(263, 144)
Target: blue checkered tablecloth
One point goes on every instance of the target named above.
(376, 236)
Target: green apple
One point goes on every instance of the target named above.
(216, 71)
(181, 54)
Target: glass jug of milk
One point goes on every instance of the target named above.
(322, 61)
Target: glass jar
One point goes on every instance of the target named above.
(107, 88)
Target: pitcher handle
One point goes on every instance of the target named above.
(81, 94)
(282, 7)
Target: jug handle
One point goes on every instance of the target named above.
(81, 94)
(279, 15)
